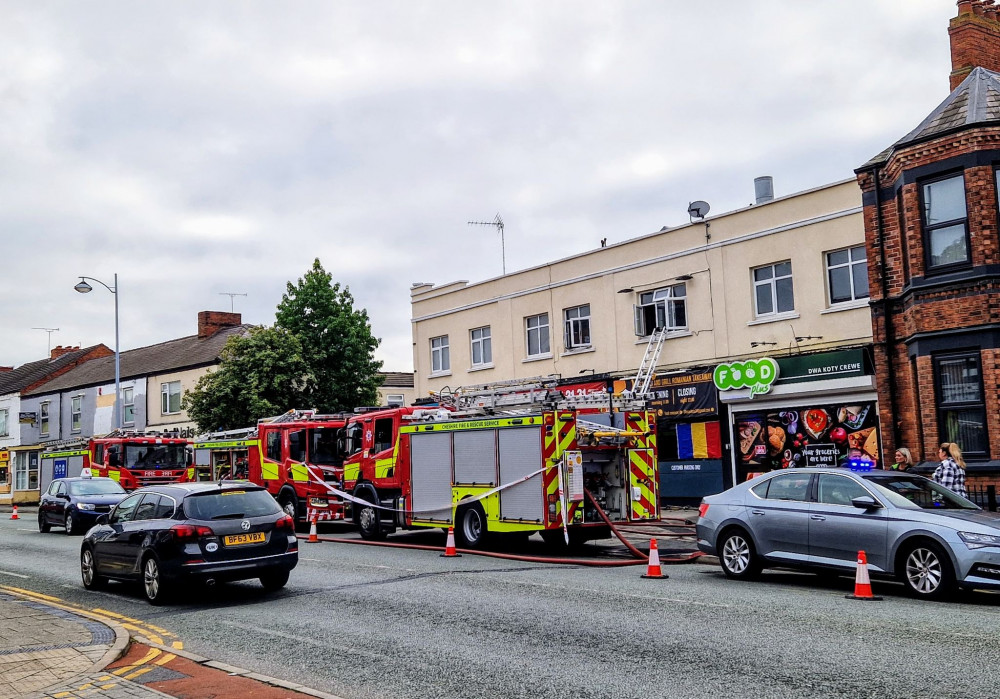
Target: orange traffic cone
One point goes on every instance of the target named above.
(653, 569)
(14, 514)
(449, 547)
(862, 585)
(313, 535)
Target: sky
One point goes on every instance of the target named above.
(197, 149)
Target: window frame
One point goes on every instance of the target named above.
(441, 354)
(668, 301)
(165, 397)
(772, 282)
(4, 422)
(850, 265)
(395, 399)
(942, 409)
(44, 424)
(76, 413)
(528, 330)
(578, 323)
(927, 229)
(128, 401)
(485, 345)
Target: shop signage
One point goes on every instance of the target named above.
(824, 365)
(26, 418)
(687, 394)
(821, 455)
(4, 456)
(756, 374)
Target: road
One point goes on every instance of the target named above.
(377, 622)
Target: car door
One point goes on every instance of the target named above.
(779, 517)
(58, 508)
(838, 529)
(137, 529)
(47, 502)
(111, 543)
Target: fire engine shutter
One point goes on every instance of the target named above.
(521, 454)
(430, 468)
(475, 457)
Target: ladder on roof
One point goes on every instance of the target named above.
(644, 376)
(519, 396)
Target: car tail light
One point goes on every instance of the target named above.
(190, 532)
(703, 509)
(285, 522)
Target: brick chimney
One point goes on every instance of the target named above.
(59, 351)
(211, 322)
(5, 369)
(975, 39)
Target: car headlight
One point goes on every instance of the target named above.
(978, 541)
(86, 506)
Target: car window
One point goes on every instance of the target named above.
(165, 510)
(53, 488)
(230, 504)
(839, 490)
(123, 512)
(146, 508)
(95, 486)
(60, 487)
(760, 490)
(789, 486)
(921, 492)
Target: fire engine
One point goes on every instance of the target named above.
(293, 455)
(136, 459)
(511, 458)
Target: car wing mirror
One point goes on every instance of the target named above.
(865, 502)
(103, 519)
(62, 496)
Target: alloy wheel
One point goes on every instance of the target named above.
(151, 579)
(736, 554)
(87, 567)
(923, 571)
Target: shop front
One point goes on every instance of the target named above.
(804, 410)
(24, 462)
(5, 474)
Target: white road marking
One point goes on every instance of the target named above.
(16, 575)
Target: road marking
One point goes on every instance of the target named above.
(153, 652)
(16, 575)
(301, 639)
(140, 671)
(165, 659)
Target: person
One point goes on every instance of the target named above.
(951, 472)
(904, 460)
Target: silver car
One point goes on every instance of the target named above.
(908, 526)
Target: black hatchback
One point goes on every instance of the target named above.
(199, 532)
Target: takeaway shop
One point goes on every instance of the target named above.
(816, 409)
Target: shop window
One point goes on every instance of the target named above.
(76, 419)
(43, 411)
(440, 357)
(170, 397)
(772, 286)
(847, 274)
(537, 335)
(383, 435)
(577, 330)
(3, 423)
(946, 232)
(128, 405)
(482, 347)
(661, 308)
(961, 408)
(26, 471)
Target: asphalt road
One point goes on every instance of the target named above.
(375, 622)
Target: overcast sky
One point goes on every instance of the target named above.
(197, 148)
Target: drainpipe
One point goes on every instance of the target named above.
(890, 335)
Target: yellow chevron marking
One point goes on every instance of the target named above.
(165, 659)
(140, 671)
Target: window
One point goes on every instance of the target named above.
(170, 397)
(77, 413)
(147, 508)
(537, 328)
(577, 331)
(26, 470)
(839, 490)
(165, 510)
(662, 308)
(772, 287)
(44, 418)
(961, 409)
(274, 445)
(128, 404)
(3, 423)
(791, 486)
(440, 358)
(946, 237)
(123, 512)
(482, 347)
(395, 399)
(847, 274)
(383, 435)
(297, 445)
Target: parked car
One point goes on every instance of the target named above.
(909, 527)
(167, 536)
(76, 503)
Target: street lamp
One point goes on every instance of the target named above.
(84, 288)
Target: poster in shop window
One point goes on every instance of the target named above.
(825, 435)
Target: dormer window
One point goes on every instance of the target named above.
(946, 230)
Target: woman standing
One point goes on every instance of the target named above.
(904, 461)
(951, 472)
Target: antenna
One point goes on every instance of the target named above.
(498, 222)
(48, 350)
(230, 294)
(698, 210)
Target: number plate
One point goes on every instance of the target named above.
(238, 539)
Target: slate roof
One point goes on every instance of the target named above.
(33, 372)
(397, 379)
(173, 355)
(975, 101)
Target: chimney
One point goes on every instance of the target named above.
(59, 351)
(211, 322)
(6, 369)
(975, 39)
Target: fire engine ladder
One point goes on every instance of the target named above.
(291, 416)
(507, 394)
(643, 377)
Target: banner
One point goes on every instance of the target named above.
(686, 394)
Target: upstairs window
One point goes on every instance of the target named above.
(440, 357)
(577, 327)
(537, 330)
(3, 423)
(170, 397)
(946, 233)
(482, 346)
(43, 413)
(847, 274)
(961, 408)
(128, 402)
(772, 287)
(662, 308)
(77, 413)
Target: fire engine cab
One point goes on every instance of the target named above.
(137, 459)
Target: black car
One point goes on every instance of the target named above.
(76, 503)
(191, 532)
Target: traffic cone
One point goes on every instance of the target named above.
(862, 585)
(449, 547)
(14, 513)
(653, 569)
(313, 535)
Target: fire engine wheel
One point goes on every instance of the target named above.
(471, 529)
(290, 506)
(369, 522)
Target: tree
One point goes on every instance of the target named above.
(337, 342)
(260, 374)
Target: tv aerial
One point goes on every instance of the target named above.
(49, 331)
(230, 294)
(498, 223)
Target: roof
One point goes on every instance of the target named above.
(975, 101)
(396, 379)
(33, 372)
(173, 355)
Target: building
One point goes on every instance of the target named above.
(785, 278)
(931, 228)
(396, 388)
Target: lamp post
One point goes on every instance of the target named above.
(84, 288)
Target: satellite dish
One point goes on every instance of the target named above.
(698, 209)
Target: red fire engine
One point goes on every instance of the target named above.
(137, 459)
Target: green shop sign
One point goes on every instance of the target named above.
(756, 374)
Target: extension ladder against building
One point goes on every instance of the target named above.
(643, 377)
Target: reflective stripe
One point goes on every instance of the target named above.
(190, 474)
(269, 471)
(113, 475)
(642, 478)
(299, 472)
(383, 467)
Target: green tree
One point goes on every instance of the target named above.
(260, 374)
(336, 339)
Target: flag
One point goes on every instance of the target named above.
(698, 440)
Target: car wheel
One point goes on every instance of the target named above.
(738, 556)
(369, 521)
(471, 529)
(274, 581)
(70, 523)
(88, 571)
(43, 524)
(153, 584)
(927, 572)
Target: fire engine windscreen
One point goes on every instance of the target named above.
(155, 456)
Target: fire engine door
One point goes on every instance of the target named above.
(642, 484)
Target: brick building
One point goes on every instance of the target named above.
(931, 228)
